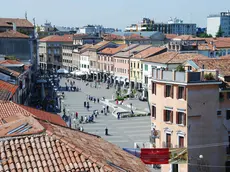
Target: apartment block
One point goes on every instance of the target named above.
(191, 109)
(50, 51)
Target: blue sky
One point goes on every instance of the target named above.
(118, 13)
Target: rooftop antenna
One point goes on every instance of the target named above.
(26, 15)
(34, 21)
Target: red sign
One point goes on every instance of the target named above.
(155, 156)
(164, 155)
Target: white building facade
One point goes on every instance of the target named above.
(219, 20)
(84, 62)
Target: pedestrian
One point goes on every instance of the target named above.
(84, 103)
(104, 108)
(107, 108)
(85, 119)
(118, 115)
(76, 115)
(94, 100)
(98, 100)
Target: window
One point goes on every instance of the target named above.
(146, 67)
(181, 142)
(146, 80)
(168, 140)
(181, 118)
(169, 91)
(153, 111)
(168, 116)
(181, 93)
(153, 88)
(131, 64)
(228, 114)
(218, 113)
(134, 65)
(221, 97)
(138, 65)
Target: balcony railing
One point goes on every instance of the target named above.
(185, 77)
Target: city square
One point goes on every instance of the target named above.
(123, 132)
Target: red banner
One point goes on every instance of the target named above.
(164, 155)
(155, 156)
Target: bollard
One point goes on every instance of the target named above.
(106, 131)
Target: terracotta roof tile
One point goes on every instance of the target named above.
(9, 72)
(7, 90)
(112, 37)
(10, 62)
(111, 51)
(43, 115)
(171, 36)
(223, 65)
(100, 45)
(219, 42)
(9, 109)
(57, 38)
(136, 37)
(149, 52)
(13, 34)
(188, 37)
(8, 22)
(50, 149)
(174, 57)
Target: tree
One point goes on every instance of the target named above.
(205, 35)
(10, 58)
(219, 32)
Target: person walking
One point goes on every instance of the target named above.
(98, 100)
(94, 100)
(76, 115)
(107, 107)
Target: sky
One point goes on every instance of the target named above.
(116, 14)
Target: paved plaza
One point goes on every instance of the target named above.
(123, 132)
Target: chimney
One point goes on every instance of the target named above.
(14, 27)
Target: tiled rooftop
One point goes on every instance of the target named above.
(112, 37)
(174, 57)
(219, 42)
(111, 51)
(100, 45)
(10, 109)
(7, 90)
(149, 52)
(223, 65)
(57, 148)
(57, 38)
(10, 62)
(134, 50)
(171, 36)
(13, 34)
(8, 22)
(188, 38)
(9, 72)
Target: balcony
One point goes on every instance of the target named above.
(185, 77)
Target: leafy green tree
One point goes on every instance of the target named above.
(219, 32)
(205, 35)
(10, 58)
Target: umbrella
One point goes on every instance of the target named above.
(63, 71)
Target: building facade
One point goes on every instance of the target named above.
(221, 20)
(50, 51)
(181, 104)
(174, 26)
(106, 61)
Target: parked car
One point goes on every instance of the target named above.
(143, 98)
